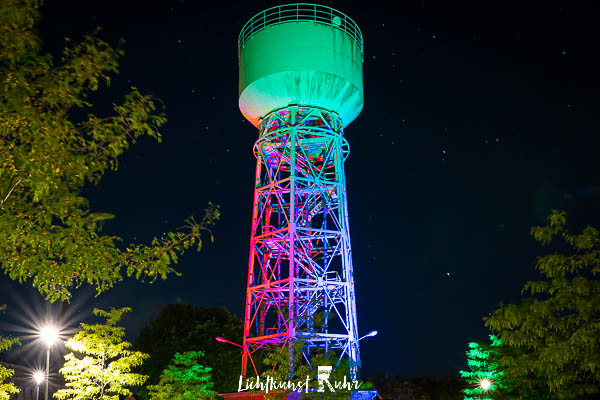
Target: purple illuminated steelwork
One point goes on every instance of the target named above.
(300, 279)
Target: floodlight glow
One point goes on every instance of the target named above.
(39, 377)
(49, 335)
(485, 384)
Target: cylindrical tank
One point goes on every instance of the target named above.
(304, 54)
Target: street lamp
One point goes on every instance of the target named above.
(48, 335)
(38, 377)
(370, 334)
(223, 340)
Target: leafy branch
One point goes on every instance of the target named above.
(49, 235)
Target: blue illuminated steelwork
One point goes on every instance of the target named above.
(300, 257)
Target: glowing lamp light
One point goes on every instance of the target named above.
(370, 334)
(485, 384)
(49, 335)
(39, 377)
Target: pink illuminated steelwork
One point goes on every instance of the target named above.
(300, 279)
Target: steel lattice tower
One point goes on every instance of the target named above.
(300, 85)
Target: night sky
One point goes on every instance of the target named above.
(479, 119)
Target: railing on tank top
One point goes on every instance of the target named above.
(299, 12)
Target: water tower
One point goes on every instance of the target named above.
(300, 84)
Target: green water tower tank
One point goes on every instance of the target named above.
(300, 54)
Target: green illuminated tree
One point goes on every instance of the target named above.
(51, 145)
(184, 379)
(6, 388)
(482, 360)
(552, 339)
(100, 365)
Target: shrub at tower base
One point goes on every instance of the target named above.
(181, 328)
(184, 379)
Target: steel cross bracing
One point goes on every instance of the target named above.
(300, 279)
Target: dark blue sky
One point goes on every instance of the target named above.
(479, 118)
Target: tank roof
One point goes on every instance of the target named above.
(305, 12)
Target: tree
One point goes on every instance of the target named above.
(183, 327)
(49, 149)
(184, 379)
(552, 339)
(104, 370)
(484, 376)
(6, 389)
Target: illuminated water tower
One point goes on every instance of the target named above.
(300, 84)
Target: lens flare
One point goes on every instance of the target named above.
(49, 335)
(485, 384)
(39, 377)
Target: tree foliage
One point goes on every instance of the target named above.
(100, 365)
(280, 369)
(6, 388)
(482, 360)
(49, 149)
(184, 379)
(552, 339)
(182, 328)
